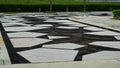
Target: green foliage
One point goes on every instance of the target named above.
(58, 5)
(116, 14)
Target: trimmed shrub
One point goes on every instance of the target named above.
(116, 14)
(58, 7)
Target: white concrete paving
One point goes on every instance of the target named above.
(28, 42)
(57, 37)
(58, 21)
(44, 25)
(91, 28)
(8, 19)
(64, 46)
(60, 18)
(48, 55)
(4, 57)
(25, 34)
(71, 23)
(23, 28)
(78, 64)
(102, 21)
(103, 55)
(111, 44)
(79, 25)
(67, 27)
(13, 24)
(117, 37)
(104, 33)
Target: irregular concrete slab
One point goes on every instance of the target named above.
(25, 34)
(8, 19)
(28, 42)
(61, 18)
(48, 55)
(111, 44)
(13, 24)
(91, 28)
(117, 37)
(103, 55)
(23, 28)
(70, 23)
(57, 37)
(80, 25)
(66, 27)
(44, 25)
(64, 46)
(104, 33)
(58, 21)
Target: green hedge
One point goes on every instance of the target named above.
(56, 7)
(116, 14)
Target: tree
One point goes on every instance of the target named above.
(50, 1)
(84, 5)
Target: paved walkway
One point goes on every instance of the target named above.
(53, 38)
(102, 21)
(4, 58)
(83, 64)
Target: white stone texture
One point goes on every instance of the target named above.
(111, 44)
(103, 55)
(25, 34)
(23, 28)
(48, 55)
(44, 25)
(91, 28)
(64, 46)
(66, 27)
(104, 33)
(28, 42)
(57, 37)
(117, 37)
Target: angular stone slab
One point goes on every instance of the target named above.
(104, 33)
(64, 46)
(6, 20)
(111, 44)
(25, 34)
(80, 25)
(44, 25)
(23, 28)
(66, 27)
(70, 23)
(57, 37)
(61, 18)
(91, 28)
(48, 55)
(58, 21)
(13, 24)
(117, 37)
(103, 55)
(10, 19)
(28, 42)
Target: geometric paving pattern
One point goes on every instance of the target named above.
(54, 38)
